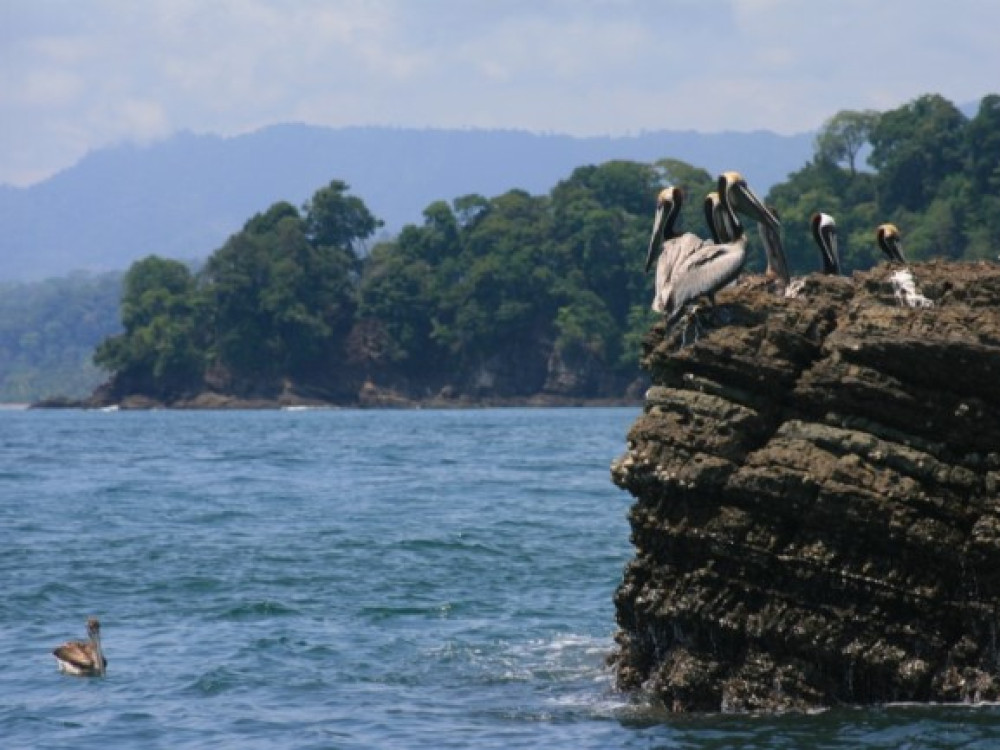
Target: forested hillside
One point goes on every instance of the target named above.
(48, 331)
(519, 294)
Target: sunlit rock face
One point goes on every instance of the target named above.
(817, 497)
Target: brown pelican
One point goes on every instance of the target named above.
(904, 286)
(824, 231)
(710, 266)
(673, 249)
(716, 219)
(83, 658)
(889, 241)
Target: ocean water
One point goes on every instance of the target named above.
(345, 579)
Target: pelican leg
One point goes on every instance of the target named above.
(690, 322)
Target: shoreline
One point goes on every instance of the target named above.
(232, 403)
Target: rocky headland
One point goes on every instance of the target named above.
(817, 498)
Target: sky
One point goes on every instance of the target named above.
(79, 75)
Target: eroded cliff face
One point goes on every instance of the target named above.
(817, 498)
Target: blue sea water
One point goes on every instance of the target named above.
(345, 579)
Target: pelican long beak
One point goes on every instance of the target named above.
(656, 241)
(825, 233)
(735, 193)
(833, 254)
(890, 242)
(744, 200)
(668, 205)
(713, 216)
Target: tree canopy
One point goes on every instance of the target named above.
(933, 172)
(495, 295)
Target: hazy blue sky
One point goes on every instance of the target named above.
(80, 74)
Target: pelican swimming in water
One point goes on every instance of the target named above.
(705, 269)
(84, 658)
(670, 250)
(824, 231)
(890, 242)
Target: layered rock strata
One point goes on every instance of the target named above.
(817, 498)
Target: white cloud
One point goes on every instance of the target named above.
(79, 75)
(49, 89)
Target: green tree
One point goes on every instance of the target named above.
(585, 325)
(397, 303)
(162, 349)
(982, 225)
(915, 148)
(503, 290)
(469, 209)
(283, 289)
(335, 219)
(842, 137)
(237, 277)
(982, 144)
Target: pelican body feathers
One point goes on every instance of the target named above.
(824, 231)
(83, 658)
(689, 267)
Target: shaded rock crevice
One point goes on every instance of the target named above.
(817, 498)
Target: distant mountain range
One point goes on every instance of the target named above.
(183, 196)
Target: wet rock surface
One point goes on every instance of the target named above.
(817, 498)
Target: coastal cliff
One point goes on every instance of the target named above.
(817, 498)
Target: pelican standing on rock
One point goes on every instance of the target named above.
(83, 658)
(716, 219)
(668, 249)
(705, 269)
(824, 231)
(904, 285)
(890, 242)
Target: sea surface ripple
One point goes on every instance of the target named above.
(345, 579)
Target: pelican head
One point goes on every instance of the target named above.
(738, 198)
(824, 231)
(668, 206)
(890, 242)
(737, 195)
(717, 219)
(93, 627)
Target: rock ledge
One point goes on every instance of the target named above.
(817, 498)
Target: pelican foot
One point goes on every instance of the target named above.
(690, 326)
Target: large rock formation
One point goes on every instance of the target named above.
(817, 498)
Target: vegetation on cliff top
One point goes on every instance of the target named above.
(541, 283)
(935, 174)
